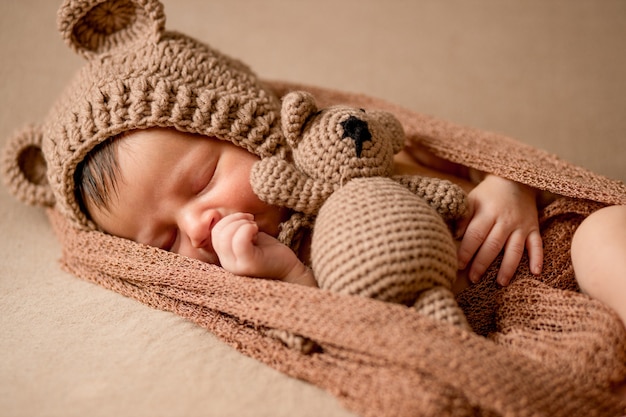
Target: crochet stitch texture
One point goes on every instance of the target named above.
(137, 76)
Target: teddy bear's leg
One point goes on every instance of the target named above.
(375, 238)
(439, 303)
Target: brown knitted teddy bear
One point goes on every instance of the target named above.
(375, 235)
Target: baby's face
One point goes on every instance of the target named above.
(173, 187)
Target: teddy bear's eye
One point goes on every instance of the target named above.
(363, 110)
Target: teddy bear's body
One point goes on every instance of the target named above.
(375, 235)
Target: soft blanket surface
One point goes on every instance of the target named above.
(536, 346)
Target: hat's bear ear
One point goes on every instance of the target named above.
(24, 168)
(92, 27)
(297, 107)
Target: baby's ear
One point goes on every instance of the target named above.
(24, 168)
(298, 106)
(93, 27)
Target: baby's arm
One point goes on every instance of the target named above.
(503, 216)
(243, 250)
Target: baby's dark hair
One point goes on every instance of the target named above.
(96, 176)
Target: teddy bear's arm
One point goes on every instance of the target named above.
(447, 198)
(278, 182)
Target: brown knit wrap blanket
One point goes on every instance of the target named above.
(540, 347)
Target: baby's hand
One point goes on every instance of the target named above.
(243, 250)
(503, 215)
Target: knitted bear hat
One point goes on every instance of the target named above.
(137, 76)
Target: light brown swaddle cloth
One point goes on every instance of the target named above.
(540, 347)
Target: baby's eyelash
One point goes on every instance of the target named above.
(206, 181)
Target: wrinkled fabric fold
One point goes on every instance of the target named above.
(539, 348)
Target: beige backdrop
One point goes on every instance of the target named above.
(547, 72)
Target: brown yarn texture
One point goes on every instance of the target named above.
(374, 234)
(373, 238)
(138, 75)
(539, 347)
(362, 201)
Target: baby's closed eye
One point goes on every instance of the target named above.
(204, 179)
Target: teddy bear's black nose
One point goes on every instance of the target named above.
(356, 129)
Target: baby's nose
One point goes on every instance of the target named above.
(198, 225)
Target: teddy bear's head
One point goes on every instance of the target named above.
(336, 144)
(326, 148)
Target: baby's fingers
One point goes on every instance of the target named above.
(488, 251)
(244, 238)
(473, 238)
(233, 241)
(513, 252)
(534, 245)
(513, 255)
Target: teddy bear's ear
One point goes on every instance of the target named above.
(393, 126)
(24, 168)
(92, 27)
(298, 106)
